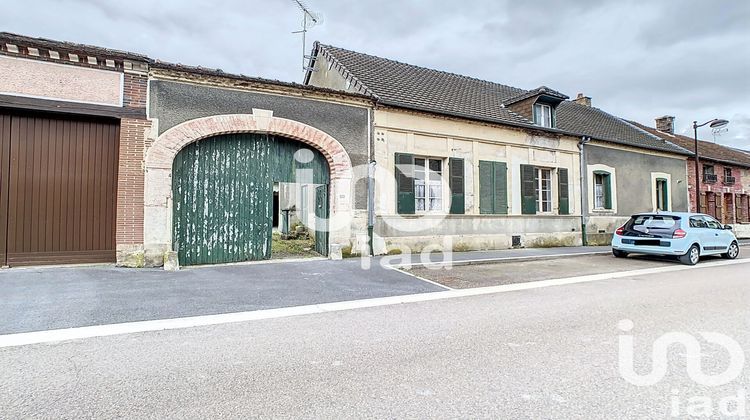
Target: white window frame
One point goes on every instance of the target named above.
(654, 196)
(540, 199)
(544, 121)
(600, 195)
(428, 182)
(591, 192)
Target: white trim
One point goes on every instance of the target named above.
(50, 336)
(654, 177)
(590, 169)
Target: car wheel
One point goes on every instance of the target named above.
(692, 256)
(619, 254)
(732, 252)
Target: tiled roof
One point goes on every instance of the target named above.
(706, 149)
(599, 125)
(419, 88)
(413, 87)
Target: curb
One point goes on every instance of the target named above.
(500, 260)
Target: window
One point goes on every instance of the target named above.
(544, 190)
(602, 194)
(428, 184)
(708, 174)
(728, 178)
(662, 194)
(543, 115)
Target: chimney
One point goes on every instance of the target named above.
(583, 100)
(665, 124)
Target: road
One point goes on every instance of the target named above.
(539, 353)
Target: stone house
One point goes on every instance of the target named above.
(564, 166)
(460, 162)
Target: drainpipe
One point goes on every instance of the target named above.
(371, 178)
(584, 189)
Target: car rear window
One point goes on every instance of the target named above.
(653, 225)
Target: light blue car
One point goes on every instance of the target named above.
(687, 236)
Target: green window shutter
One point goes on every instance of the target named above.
(486, 187)
(501, 188)
(456, 167)
(607, 191)
(528, 189)
(563, 192)
(405, 183)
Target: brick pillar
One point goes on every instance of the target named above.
(131, 172)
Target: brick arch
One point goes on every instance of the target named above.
(157, 220)
(165, 148)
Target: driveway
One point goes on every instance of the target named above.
(51, 298)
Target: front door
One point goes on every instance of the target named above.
(321, 222)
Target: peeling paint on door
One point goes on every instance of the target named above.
(223, 194)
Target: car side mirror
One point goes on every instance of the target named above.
(727, 227)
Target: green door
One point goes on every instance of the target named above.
(223, 194)
(321, 222)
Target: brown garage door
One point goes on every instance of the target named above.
(58, 188)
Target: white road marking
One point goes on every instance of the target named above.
(51, 336)
(390, 267)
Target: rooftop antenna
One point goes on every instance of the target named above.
(717, 131)
(309, 20)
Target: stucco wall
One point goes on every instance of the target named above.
(172, 103)
(633, 179)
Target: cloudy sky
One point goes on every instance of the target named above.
(636, 59)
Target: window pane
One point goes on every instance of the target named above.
(436, 204)
(419, 189)
(419, 162)
(420, 204)
(435, 165)
(435, 190)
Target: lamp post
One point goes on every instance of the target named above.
(715, 123)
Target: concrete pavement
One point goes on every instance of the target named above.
(51, 298)
(539, 353)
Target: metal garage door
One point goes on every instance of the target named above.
(58, 186)
(223, 194)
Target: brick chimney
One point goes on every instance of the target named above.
(665, 124)
(583, 100)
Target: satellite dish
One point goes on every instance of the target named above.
(718, 124)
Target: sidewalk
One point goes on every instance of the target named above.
(478, 257)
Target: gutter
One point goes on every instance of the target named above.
(371, 177)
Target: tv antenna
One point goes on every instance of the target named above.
(309, 20)
(718, 131)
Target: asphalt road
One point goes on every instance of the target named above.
(540, 353)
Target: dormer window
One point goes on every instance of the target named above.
(543, 116)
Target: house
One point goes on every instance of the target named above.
(724, 175)
(627, 169)
(460, 162)
(516, 159)
(116, 157)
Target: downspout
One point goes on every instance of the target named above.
(371, 177)
(584, 189)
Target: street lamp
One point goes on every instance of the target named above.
(717, 124)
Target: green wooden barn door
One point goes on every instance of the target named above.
(223, 194)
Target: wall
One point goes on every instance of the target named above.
(173, 102)
(426, 135)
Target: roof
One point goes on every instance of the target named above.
(423, 89)
(50, 44)
(593, 122)
(707, 150)
(207, 71)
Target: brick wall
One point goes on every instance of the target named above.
(729, 199)
(131, 164)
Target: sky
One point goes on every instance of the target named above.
(637, 59)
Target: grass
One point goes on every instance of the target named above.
(292, 248)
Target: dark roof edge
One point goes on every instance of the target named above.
(685, 151)
(484, 120)
(322, 48)
(50, 44)
(541, 90)
(219, 73)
